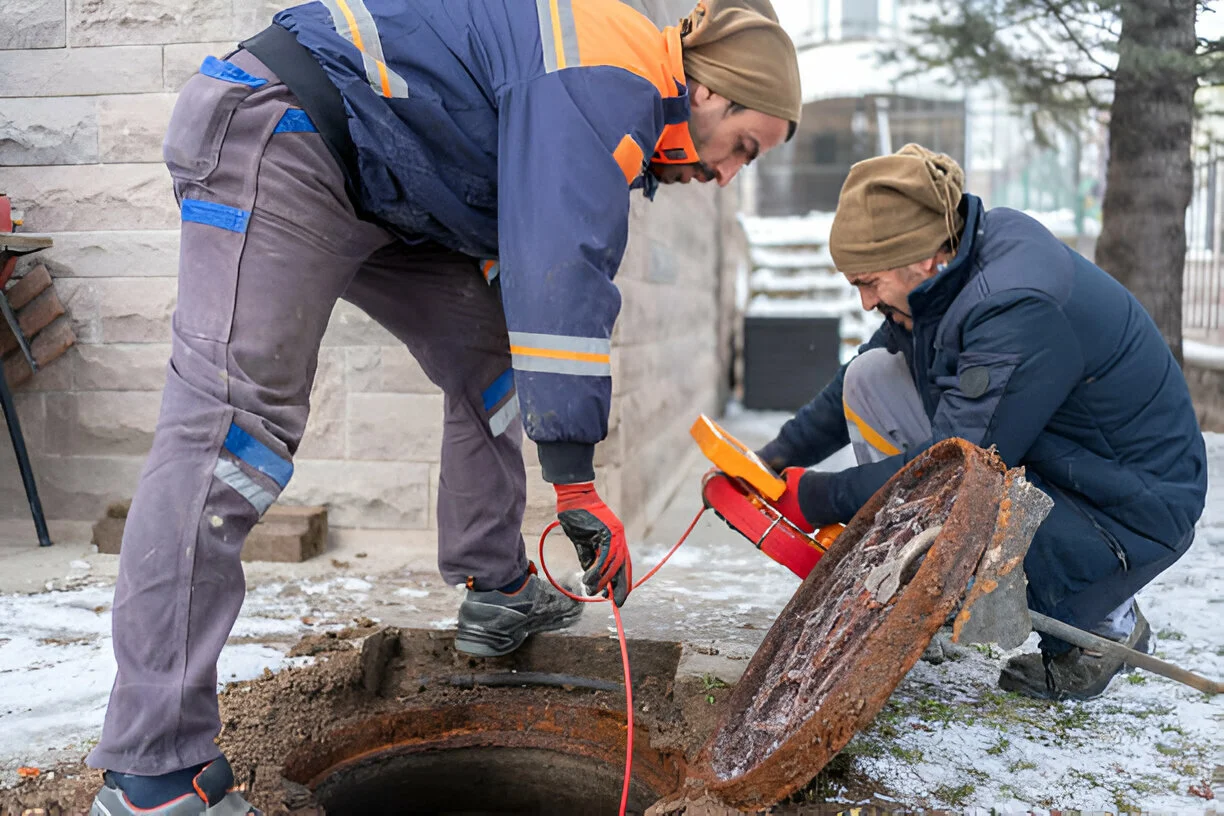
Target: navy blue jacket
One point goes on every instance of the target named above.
(1083, 391)
(513, 133)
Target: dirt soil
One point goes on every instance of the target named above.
(365, 671)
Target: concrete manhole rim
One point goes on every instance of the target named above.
(588, 732)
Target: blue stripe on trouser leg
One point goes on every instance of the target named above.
(225, 217)
(258, 455)
(496, 392)
(501, 402)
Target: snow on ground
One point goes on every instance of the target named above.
(948, 737)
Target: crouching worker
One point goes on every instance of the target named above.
(461, 170)
(998, 333)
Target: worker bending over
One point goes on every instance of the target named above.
(461, 171)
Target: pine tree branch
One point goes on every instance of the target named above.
(1075, 39)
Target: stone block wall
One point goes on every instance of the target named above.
(86, 90)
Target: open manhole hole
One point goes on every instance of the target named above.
(485, 759)
(415, 728)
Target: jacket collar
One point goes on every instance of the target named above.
(933, 297)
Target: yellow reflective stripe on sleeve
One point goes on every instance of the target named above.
(561, 354)
(354, 22)
(558, 35)
(870, 435)
(629, 155)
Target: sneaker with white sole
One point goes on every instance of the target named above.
(213, 795)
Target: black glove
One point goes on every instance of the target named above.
(775, 456)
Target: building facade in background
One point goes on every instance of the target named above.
(857, 105)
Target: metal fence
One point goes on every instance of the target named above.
(1203, 292)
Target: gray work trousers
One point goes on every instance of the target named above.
(270, 241)
(885, 416)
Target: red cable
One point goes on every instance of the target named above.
(620, 634)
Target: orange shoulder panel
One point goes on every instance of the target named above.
(610, 32)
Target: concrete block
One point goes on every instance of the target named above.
(60, 130)
(325, 436)
(55, 377)
(81, 71)
(32, 413)
(111, 254)
(79, 488)
(105, 22)
(349, 326)
(401, 427)
(541, 509)
(386, 369)
(102, 423)
(80, 298)
(131, 366)
(93, 197)
(284, 534)
(287, 535)
(108, 535)
(182, 60)
(645, 365)
(131, 127)
(253, 16)
(375, 495)
(41, 25)
(136, 310)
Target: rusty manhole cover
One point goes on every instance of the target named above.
(855, 627)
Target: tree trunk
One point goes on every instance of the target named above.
(1150, 175)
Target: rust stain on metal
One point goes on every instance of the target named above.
(996, 606)
(582, 731)
(835, 654)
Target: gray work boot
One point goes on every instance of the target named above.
(495, 623)
(213, 796)
(1080, 674)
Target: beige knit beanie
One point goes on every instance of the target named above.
(897, 210)
(737, 49)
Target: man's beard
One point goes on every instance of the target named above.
(891, 312)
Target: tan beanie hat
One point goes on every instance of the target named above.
(897, 210)
(737, 49)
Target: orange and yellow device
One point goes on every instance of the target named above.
(741, 490)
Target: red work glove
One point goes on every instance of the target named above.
(788, 503)
(599, 538)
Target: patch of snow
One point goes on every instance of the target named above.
(1204, 355)
(57, 667)
(1062, 222)
(799, 230)
(409, 592)
(764, 306)
(960, 742)
(793, 258)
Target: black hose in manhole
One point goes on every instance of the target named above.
(484, 758)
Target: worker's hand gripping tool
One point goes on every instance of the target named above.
(742, 490)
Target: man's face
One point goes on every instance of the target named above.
(726, 140)
(888, 291)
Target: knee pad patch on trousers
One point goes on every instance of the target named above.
(248, 450)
